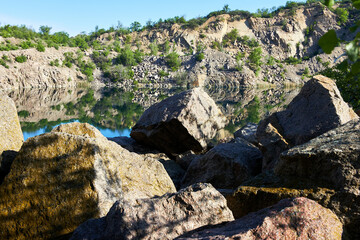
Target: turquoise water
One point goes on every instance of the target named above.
(109, 133)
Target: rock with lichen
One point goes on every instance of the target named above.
(59, 180)
(317, 109)
(298, 218)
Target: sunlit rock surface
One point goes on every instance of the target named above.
(186, 121)
(59, 180)
(163, 217)
(11, 136)
(298, 218)
(318, 108)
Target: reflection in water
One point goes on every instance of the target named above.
(114, 111)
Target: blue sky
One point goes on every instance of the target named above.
(76, 16)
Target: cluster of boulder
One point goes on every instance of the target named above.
(294, 176)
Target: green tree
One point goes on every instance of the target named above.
(135, 26)
(45, 30)
(154, 49)
(166, 47)
(255, 58)
(226, 8)
(173, 61)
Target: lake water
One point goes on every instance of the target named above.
(114, 110)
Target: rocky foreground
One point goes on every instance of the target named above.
(295, 176)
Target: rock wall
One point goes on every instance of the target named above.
(36, 72)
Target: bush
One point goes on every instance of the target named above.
(270, 61)
(255, 58)
(306, 72)
(138, 55)
(239, 56)
(173, 61)
(248, 42)
(292, 60)
(8, 47)
(4, 60)
(166, 47)
(26, 44)
(343, 15)
(129, 58)
(200, 56)
(21, 59)
(40, 47)
(119, 73)
(231, 36)
(154, 49)
(23, 114)
(55, 63)
(101, 60)
(69, 59)
(195, 22)
(217, 45)
(162, 73)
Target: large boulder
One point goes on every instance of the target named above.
(331, 159)
(225, 166)
(58, 180)
(298, 218)
(186, 121)
(163, 217)
(317, 109)
(10, 129)
(11, 137)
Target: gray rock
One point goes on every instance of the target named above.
(11, 137)
(225, 166)
(318, 108)
(163, 217)
(247, 132)
(186, 121)
(300, 218)
(331, 158)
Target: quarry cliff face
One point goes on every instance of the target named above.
(282, 36)
(36, 71)
(225, 62)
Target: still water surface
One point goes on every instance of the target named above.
(114, 111)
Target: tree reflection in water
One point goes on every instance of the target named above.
(114, 110)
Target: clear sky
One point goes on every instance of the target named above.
(78, 16)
